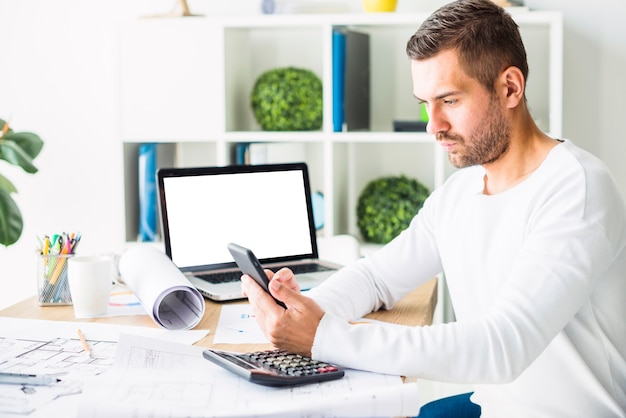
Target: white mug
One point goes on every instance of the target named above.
(90, 279)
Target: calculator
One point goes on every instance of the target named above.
(275, 367)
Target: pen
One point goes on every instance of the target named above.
(83, 341)
(46, 245)
(27, 379)
(58, 268)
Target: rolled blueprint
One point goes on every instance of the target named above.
(166, 294)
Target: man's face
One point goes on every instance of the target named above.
(468, 120)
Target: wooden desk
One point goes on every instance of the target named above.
(415, 309)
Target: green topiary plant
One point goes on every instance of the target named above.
(386, 206)
(17, 148)
(288, 99)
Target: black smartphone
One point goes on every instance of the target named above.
(250, 265)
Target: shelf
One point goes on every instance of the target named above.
(265, 136)
(362, 19)
(386, 137)
(186, 83)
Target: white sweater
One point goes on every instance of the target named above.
(537, 277)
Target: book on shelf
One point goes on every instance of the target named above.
(357, 88)
(241, 153)
(339, 74)
(351, 80)
(269, 152)
(147, 163)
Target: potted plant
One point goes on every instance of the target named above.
(20, 149)
(386, 206)
(288, 99)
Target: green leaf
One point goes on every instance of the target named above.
(11, 223)
(6, 185)
(31, 143)
(15, 154)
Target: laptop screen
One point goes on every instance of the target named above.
(266, 208)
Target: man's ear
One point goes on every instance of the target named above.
(512, 80)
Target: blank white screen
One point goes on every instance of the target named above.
(264, 211)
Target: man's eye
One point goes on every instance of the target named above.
(450, 101)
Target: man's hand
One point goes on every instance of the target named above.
(292, 329)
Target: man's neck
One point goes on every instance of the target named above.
(528, 149)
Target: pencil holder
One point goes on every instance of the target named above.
(52, 285)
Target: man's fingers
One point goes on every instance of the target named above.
(285, 294)
(251, 288)
(269, 273)
(286, 277)
(256, 294)
(293, 328)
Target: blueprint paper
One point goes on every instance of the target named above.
(162, 379)
(53, 347)
(166, 294)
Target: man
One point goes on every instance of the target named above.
(530, 233)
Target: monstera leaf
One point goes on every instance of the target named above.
(19, 149)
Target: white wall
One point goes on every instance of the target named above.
(58, 78)
(594, 77)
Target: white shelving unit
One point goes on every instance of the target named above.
(187, 82)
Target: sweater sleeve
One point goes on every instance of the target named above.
(544, 260)
(382, 279)
(516, 329)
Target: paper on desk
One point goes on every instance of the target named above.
(38, 329)
(237, 325)
(52, 347)
(166, 294)
(123, 302)
(162, 379)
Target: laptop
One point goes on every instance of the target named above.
(266, 208)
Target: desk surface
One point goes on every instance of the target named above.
(415, 309)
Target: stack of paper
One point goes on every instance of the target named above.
(161, 379)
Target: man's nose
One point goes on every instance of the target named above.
(436, 121)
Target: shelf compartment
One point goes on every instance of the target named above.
(251, 51)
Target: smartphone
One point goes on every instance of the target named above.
(250, 265)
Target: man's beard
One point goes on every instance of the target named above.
(490, 140)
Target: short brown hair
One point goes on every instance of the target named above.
(484, 34)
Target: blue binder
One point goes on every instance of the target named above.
(339, 78)
(147, 192)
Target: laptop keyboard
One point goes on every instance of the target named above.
(308, 268)
(233, 276)
(222, 277)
